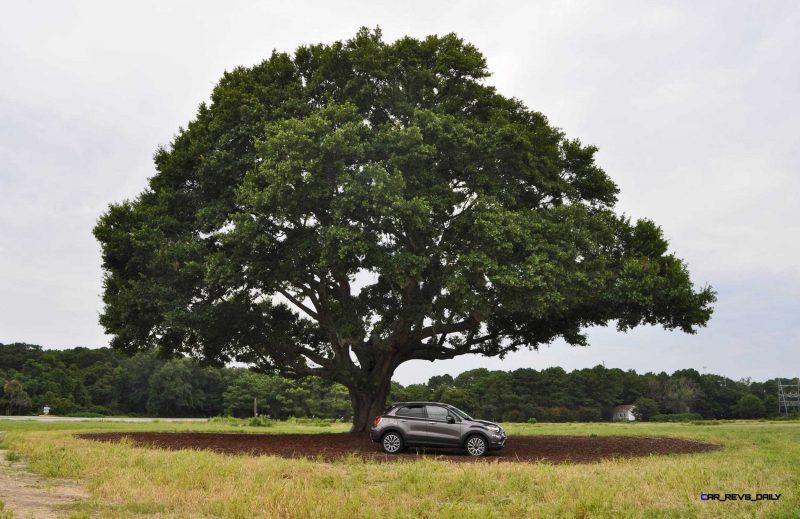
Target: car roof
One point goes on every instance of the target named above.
(421, 403)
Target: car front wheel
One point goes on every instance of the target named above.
(392, 443)
(476, 445)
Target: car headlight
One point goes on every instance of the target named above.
(493, 428)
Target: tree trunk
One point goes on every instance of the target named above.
(368, 402)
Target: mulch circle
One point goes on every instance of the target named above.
(329, 447)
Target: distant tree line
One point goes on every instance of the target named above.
(587, 395)
(105, 382)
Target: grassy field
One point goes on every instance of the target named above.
(128, 481)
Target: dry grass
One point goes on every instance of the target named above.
(128, 481)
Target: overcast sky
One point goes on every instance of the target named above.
(694, 106)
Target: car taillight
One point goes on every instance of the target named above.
(377, 421)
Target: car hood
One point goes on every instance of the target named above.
(486, 422)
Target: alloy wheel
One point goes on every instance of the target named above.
(476, 446)
(391, 443)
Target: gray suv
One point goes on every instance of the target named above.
(433, 424)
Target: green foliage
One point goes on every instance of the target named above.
(588, 414)
(312, 421)
(680, 394)
(479, 226)
(645, 408)
(281, 398)
(750, 406)
(184, 388)
(225, 420)
(96, 383)
(771, 405)
(558, 414)
(15, 396)
(260, 421)
(13, 456)
(147, 385)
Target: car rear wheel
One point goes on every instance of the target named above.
(392, 442)
(476, 445)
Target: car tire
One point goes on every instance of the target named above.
(476, 445)
(392, 442)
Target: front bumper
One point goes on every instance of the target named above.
(497, 441)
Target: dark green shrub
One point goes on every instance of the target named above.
(260, 421)
(750, 406)
(588, 414)
(645, 408)
(555, 414)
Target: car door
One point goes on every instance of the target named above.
(413, 423)
(444, 427)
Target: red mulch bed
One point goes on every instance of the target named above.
(552, 449)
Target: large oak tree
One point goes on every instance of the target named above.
(344, 209)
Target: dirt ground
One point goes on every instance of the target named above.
(27, 495)
(553, 449)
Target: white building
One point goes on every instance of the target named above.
(623, 413)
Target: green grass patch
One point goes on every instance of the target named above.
(679, 417)
(13, 456)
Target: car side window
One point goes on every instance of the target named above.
(436, 413)
(414, 411)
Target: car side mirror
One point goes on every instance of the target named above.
(450, 419)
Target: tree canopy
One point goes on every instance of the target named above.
(349, 207)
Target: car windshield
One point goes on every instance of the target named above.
(460, 413)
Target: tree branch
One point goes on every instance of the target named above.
(444, 328)
(438, 351)
(264, 364)
(299, 304)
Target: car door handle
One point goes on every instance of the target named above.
(432, 423)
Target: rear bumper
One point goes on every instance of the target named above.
(374, 435)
